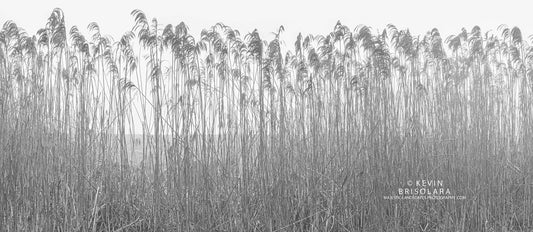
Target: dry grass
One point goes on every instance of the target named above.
(236, 134)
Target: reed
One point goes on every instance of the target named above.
(159, 131)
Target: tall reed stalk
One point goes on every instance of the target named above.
(159, 131)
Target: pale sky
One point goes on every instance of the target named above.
(315, 17)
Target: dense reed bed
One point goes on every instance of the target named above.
(234, 133)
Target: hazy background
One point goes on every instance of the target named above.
(316, 17)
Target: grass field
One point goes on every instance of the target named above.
(161, 130)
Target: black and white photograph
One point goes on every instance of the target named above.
(266, 116)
